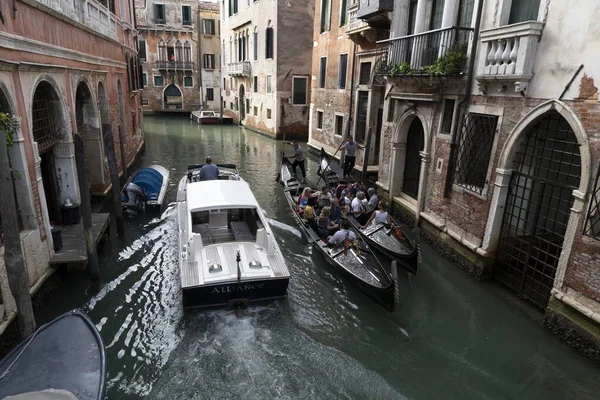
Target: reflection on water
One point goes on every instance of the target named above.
(450, 337)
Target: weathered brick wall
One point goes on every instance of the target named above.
(332, 102)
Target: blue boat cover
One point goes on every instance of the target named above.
(150, 180)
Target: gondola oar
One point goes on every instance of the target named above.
(325, 170)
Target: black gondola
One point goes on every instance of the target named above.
(66, 354)
(360, 266)
(386, 239)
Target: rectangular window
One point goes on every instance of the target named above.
(209, 61)
(255, 36)
(255, 84)
(319, 119)
(322, 72)
(210, 94)
(325, 15)
(523, 10)
(446, 125)
(342, 71)
(188, 81)
(268, 84)
(412, 16)
(474, 150)
(158, 81)
(339, 125)
(299, 90)
(144, 79)
(437, 12)
(361, 117)
(224, 104)
(208, 26)
(144, 101)
(142, 50)
(231, 105)
(235, 6)
(247, 106)
(225, 83)
(343, 12)
(186, 15)
(230, 83)
(365, 73)
(465, 13)
(268, 113)
(230, 8)
(269, 43)
(255, 111)
(159, 14)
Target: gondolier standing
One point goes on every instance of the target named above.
(298, 159)
(350, 160)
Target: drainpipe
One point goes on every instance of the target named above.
(346, 133)
(200, 84)
(462, 102)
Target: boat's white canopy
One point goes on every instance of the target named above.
(219, 194)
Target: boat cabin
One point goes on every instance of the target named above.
(227, 225)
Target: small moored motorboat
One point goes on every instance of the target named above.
(64, 358)
(228, 255)
(145, 190)
(391, 240)
(356, 263)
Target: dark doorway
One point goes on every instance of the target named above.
(242, 103)
(415, 142)
(51, 190)
(378, 135)
(172, 97)
(546, 170)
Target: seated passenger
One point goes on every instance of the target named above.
(325, 226)
(209, 171)
(341, 235)
(303, 199)
(336, 211)
(309, 211)
(379, 216)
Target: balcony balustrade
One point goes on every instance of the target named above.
(175, 65)
(87, 12)
(441, 52)
(369, 8)
(508, 53)
(240, 68)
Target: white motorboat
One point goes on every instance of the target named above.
(227, 252)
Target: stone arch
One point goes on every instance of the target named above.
(504, 174)
(51, 133)
(7, 104)
(173, 97)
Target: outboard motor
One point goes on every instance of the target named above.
(136, 200)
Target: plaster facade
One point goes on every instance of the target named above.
(266, 64)
(71, 75)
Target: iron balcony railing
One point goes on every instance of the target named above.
(438, 52)
(175, 65)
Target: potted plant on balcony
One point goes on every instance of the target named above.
(450, 63)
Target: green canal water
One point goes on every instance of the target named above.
(450, 338)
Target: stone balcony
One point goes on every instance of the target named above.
(175, 65)
(241, 68)
(357, 29)
(89, 13)
(508, 54)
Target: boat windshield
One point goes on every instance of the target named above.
(227, 225)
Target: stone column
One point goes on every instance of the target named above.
(496, 213)
(450, 13)
(42, 197)
(420, 22)
(425, 161)
(397, 168)
(23, 190)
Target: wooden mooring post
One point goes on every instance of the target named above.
(13, 256)
(86, 211)
(111, 156)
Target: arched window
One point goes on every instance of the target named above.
(161, 50)
(178, 51)
(269, 43)
(187, 52)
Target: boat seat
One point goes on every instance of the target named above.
(241, 231)
(204, 231)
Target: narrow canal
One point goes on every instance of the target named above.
(451, 337)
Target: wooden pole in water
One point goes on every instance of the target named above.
(111, 156)
(86, 211)
(13, 256)
(367, 149)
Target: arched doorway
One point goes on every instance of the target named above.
(415, 142)
(546, 170)
(172, 97)
(122, 128)
(242, 103)
(46, 128)
(89, 129)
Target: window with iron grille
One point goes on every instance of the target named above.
(208, 26)
(159, 13)
(446, 125)
(322, 72)
(255, 84)
(299, 90)
(209, 61)
(186, 16)
(319, 119)
(592, 219)
(342, 71)
(269, 43)
(210, 94)
(339, 125)
(365, 73)
(474, 150)
(45, 130)
(158, 81)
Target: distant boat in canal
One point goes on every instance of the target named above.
(63, 359)
(145, 190)
(228, 255)
(210, 118)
